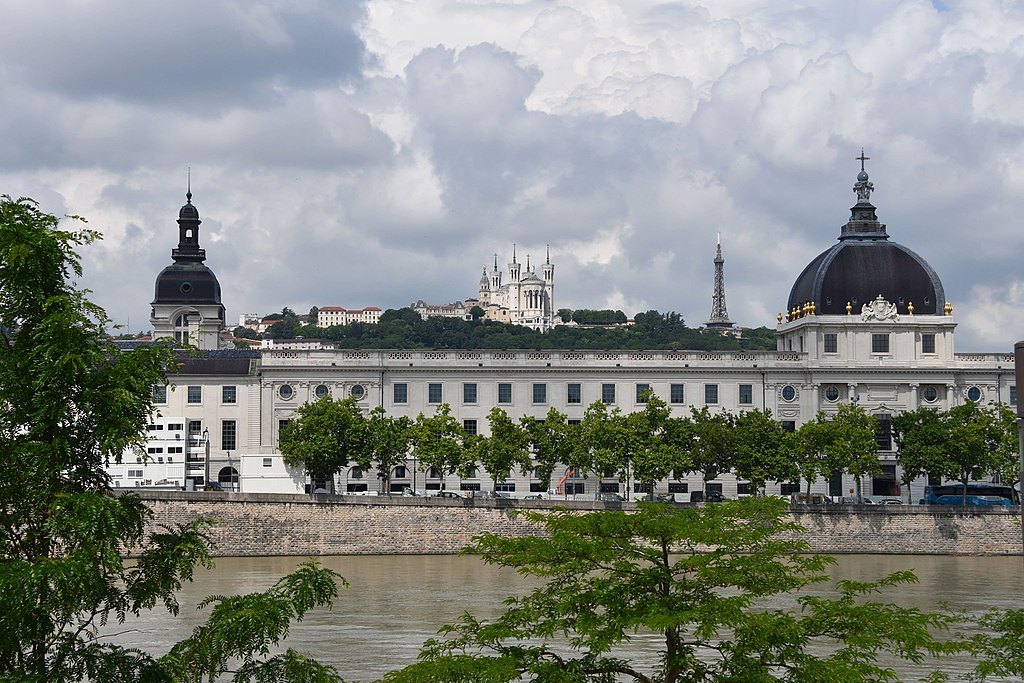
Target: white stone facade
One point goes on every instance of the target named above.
(527, 298)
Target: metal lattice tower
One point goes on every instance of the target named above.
(719, 316)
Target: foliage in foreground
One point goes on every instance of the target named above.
(699, 578)
(72, 402)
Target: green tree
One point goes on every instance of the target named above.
(920, 437)
(388, 440)
(439, 442)
(656, 450)
(505, 449)
(763, 450)
(712, 443)
(552, 440)
(811, 459)
(973, 439)
(71, 403)
(606, 442)
(1007, 453)
(848, 441)
(700, 580)
(325, 436)
(476, 313)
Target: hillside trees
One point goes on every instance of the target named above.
(72, 402)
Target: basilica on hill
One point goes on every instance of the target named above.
(867, 321)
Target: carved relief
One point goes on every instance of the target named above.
(879, 309)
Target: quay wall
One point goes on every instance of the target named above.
(253, 524)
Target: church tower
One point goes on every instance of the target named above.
(187, 305)
(719, 319)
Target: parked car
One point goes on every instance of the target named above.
(609, 497)
(448, 494)
(490, 494)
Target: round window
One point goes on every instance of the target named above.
(930, 394)
(832, 393)
(321, 390)
(186, 287)
(973, 394)
(358, 391)
(286, 391)
(788, 393)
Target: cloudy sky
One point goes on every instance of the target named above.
(371, 154)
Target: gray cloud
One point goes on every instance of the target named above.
(373, 154)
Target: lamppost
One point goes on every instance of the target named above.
(1018, 354)
(206, 459)
(231, 472)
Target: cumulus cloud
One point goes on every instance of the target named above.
(376, 153)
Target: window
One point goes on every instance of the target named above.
(401, 393)
(286, 392)
(644, 487)
(743, 488)
(160, 394)
(433, 393)
(470, 427)
(927, 343)
(676, 393)
(400, 473)
(1013, 395)
(195, 427)
(504, 393)
(135, 474)
(281, 426)
(879, 343)
(574, 393)
(789, 426)
(355, 473)
(831, 342)
(175, 426)
(931, 394)
(268, 462)
(227, 435)
(788, 489)
(573, 423)
(151, 450)
(228, 394)
(609, 487)
(175, 449)
(678, 487)
(641, 392)
(883, 434)
(746, 394)
(710, 394)
(788, 393)
(321, 390)
(195, 394)
(357, 391)
(832, 394)
(469, 393)
(540, 393)
(505, 487)
(973, 394)
(608, 393)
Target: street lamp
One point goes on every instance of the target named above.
(231, 472)
(206, 463)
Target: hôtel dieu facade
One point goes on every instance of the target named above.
(867, 321)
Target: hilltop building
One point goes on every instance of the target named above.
(328, 316)
(867, 321)
(526, 299)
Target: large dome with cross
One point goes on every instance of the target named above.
(864, 265)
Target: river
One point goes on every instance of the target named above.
(394, 603)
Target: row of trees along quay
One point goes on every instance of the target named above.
(965, 443)
(696, 577)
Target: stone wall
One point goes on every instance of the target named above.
(266, 524)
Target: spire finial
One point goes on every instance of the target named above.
(188, 184)
(527, 263)
(548, 254)
(495, 261)
(513, 252)
(863, 187)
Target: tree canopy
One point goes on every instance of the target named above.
(73, 402)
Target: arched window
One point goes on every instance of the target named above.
(399, 472)
(355, 473)
(228, 476)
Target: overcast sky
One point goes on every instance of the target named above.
(371, 154)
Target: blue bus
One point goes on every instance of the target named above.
(977, 494)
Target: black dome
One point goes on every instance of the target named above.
(187, 283)
(858, 270)
(864, 265)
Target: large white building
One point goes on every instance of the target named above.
(866, 321)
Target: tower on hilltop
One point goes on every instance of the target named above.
(719, 319)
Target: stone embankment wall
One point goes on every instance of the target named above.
(266, 524)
